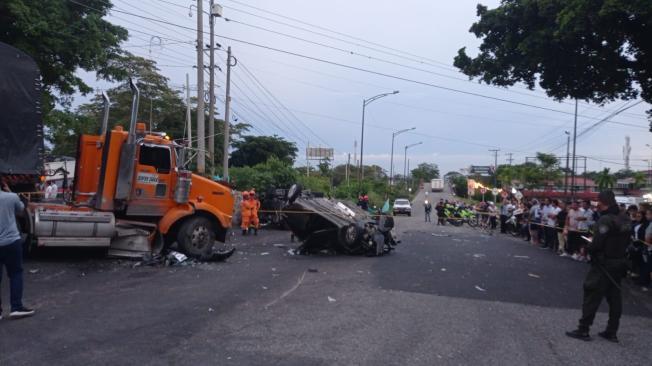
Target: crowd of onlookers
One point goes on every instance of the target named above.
(564, 227)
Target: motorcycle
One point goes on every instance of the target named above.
(512, 224)
(458, 216)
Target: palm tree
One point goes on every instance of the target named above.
(605, 180)
(639, 179)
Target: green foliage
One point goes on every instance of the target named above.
(425, 171)
(460, 186)
(315, 183)
(594, 50)
(640, 178)
(64, 128)
(253, 150)
(273, 173)
(64, 37)
(605, 180)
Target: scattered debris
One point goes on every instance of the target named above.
(264, 253)
(480, 288)
(280, 245)
(264, 287)
(478, 255)
(34, 271)
(210, 310)
(522, 256)
(177, 257)
(533, 275)
(292, 252)
(330, 299)
(313, 270)
(443, 269)
(441, 235)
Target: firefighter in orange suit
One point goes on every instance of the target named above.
(245, 212)
(254, 211)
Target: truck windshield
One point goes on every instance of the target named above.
(156, 156)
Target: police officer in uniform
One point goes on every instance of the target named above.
(608, 267)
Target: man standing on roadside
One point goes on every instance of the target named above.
(428, 209)
(11, 250)
(608, 267)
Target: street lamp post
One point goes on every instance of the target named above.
(365, 103)
(405, 159)
(649, 170)
(391, 163)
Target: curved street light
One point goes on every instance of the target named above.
(365, 103)
(405, 159)
(391, 163)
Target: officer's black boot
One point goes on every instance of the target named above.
(579, 333)
(255, 232)
(244, 231)
(610, 336)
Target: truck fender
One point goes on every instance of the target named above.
(172, 216)
(223, 219)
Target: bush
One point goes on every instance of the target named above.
(274, 173)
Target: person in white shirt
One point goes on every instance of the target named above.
(551, 224)
(572, 227)
(51, 191)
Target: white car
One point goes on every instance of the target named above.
(402, 206)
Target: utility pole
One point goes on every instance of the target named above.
(227, 115)
(188, 113)
(566, 171)
(495, 151)
(574, 150)
(211, 91)
(510, 159)
(201, 132)
(348, 163)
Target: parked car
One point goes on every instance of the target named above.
(402, 206)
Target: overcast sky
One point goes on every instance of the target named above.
(456, 129)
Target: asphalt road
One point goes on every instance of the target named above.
(446, 296)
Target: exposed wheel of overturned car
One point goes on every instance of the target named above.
(350, 236)
(196, 237)
(294, 192)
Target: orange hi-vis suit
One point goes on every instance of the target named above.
(245, 211)
(254, 211)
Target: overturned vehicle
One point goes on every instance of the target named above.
(326, 224)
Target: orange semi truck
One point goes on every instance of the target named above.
(131, 191)
(132, 194)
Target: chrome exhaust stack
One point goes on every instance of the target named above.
(134, 111)
(105, 116)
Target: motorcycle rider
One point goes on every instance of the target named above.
(608, 267)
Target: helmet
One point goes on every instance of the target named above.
(252, 193)
(245, 194)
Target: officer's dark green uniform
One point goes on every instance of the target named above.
(608, 267)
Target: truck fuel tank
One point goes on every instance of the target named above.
(73, 224)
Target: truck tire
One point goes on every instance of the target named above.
(196, 237)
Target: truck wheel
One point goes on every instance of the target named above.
(196, 237)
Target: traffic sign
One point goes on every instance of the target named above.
(495, 191)
(483, 190)
(519, 195)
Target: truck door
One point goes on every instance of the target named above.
(153, 181)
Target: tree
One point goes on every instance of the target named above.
(425, 171)
(252, 150)
(273, 173)
(63, 37)
(64, 128)
(460, 186)
(605, 180)
(640, 178)
(593, 50)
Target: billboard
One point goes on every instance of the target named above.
(319, 153)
